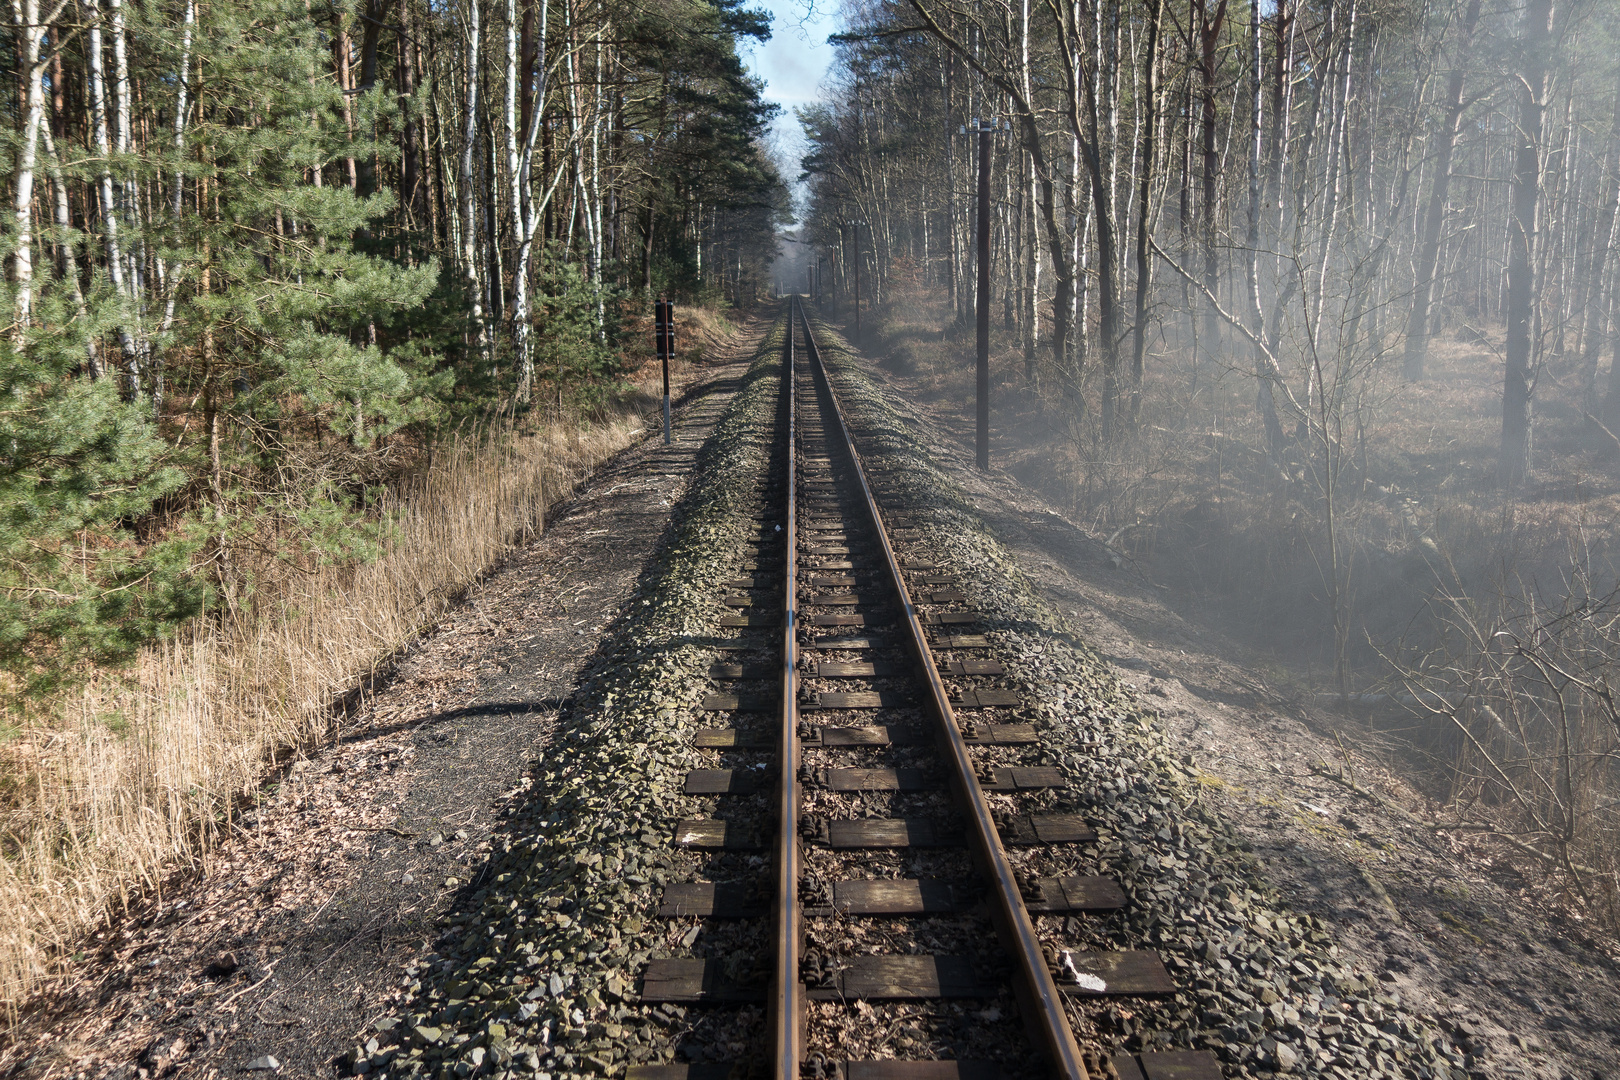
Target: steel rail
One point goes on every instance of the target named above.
(787, 992)
(1039, 996)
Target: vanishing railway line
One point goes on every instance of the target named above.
(873, 790)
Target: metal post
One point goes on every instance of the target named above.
(982, 441)
(664, 330)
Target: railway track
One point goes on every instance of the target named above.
(873, 823)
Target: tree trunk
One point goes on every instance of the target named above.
(30, 30)
(1265, 390)
(410, 142)
(177, 197)
(1516, 459)
(1030, 258)
(125, 190)
(1282, 74)
(1611, 401)
(526, 46)
(1030, 135)
(1108, 314)
(1032, 312)
(370, 37)
(952, 272)
(1144, 210)
(468, 192)
(340, 66)
(511, 134)
(105, 193)
(598, 110)
(647, 246)
(1417, 324)
(531, 213)
(1592, 320)
(1209, 36)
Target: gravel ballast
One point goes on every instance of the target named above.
(537, 977)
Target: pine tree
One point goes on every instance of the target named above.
(223, 315)
(78, 466)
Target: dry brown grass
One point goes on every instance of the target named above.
(107, 793)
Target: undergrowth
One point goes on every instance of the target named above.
(109, 788)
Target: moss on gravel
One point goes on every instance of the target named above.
(560, 922)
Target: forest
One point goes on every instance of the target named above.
(314, 309)
(261, 253)
(1308, 310)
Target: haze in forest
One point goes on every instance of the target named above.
(794, 64)
(1306, 313)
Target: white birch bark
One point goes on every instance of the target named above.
(1338, 124)
(467, 190)
(123, 137)
(1033, 310)
(31, 28)
(104, 185)
(1265, 397)
(513, 61)
(576, 121)
(594, 207)
(126, 194)
(520, 305)
(169, 275)
(528, 216)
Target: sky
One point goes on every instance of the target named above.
(793, 64)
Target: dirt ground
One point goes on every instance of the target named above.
(282, 951)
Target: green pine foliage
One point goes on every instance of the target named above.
(113, 534)
(79, 467)
(290, 298)
(292, 326)
(575, 353)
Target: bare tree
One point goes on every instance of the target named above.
(468, 186)
(1601, 239)
(1144, 206)
(1434, 219)
(1516, 458)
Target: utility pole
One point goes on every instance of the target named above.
(983, 129)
